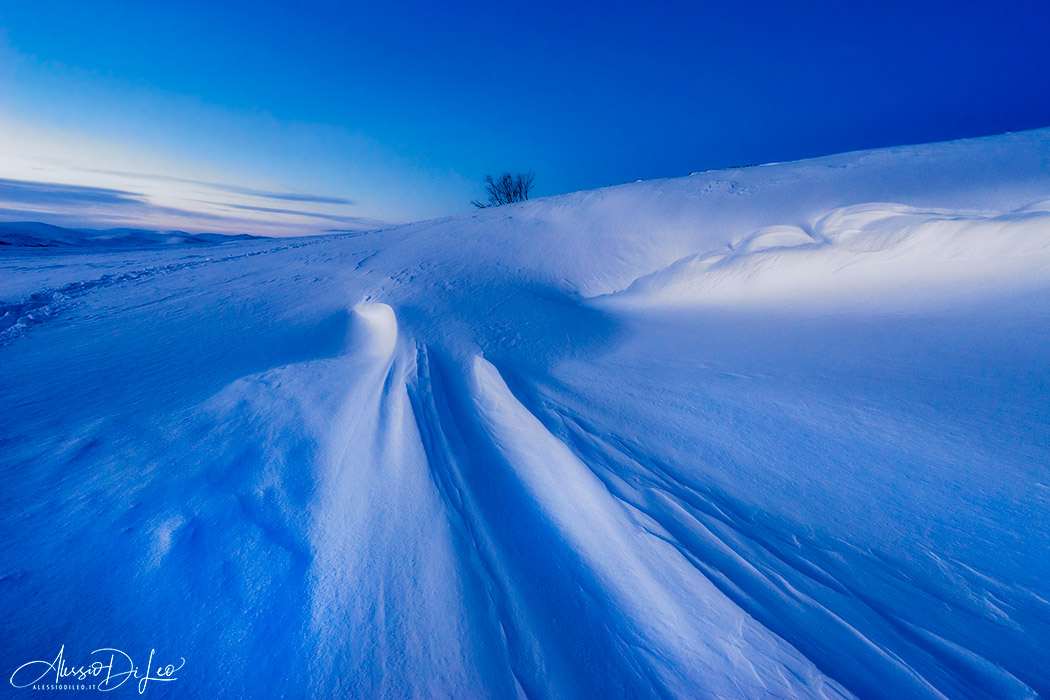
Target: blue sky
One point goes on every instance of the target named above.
(304, 117)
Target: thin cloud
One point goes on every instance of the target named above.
(52, 194)
(125, 210)
(82, 206)
(142, 217)
(298, 212)
(233, 189)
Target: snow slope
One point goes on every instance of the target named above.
(779, 431)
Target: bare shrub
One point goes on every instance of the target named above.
(506, 189)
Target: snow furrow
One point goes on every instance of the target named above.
(792, 586)
(664, 605)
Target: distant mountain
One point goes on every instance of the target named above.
(34, 234)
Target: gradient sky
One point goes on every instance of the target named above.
(283, 118)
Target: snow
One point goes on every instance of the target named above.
(770, 431)
(878, 255)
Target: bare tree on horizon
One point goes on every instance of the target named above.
(506, 189)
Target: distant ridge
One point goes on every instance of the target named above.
(35, 234)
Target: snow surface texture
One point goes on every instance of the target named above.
(780, 431)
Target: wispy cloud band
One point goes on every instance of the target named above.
(233, 189)
(86, 205)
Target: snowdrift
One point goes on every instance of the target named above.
(873, 255)
(778, 431)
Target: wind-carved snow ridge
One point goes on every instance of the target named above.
(373, 330)
(856, 253)
(765, 432)
(655, 599)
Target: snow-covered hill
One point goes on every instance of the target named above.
(779, 431)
